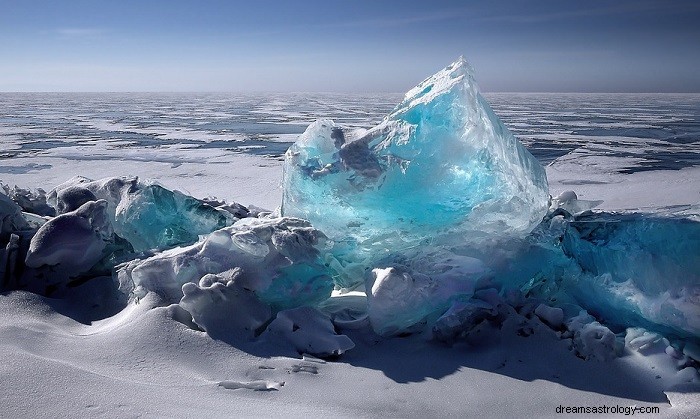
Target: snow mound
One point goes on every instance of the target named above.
(224, 308)
(74, 240)
(277, 258)
(309, 331)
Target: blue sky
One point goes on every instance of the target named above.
(348, 46)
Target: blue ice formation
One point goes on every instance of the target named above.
(148, 216)
(624, 270)
(99, 225)
(440, 168)
(637, 269)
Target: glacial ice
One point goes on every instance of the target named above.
(148, 216)
(440, 168)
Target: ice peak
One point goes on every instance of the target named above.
(459, 74)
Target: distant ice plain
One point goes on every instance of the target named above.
(230, 146)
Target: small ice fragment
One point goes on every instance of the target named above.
(259, 385)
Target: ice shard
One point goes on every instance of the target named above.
(441, 167)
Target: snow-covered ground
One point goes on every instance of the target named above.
(86, 357)
(142, 363)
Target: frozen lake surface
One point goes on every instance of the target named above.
(217, 144)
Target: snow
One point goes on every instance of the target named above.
(75, 240)
(308, 331)
(277, 258)
(658, 191)
(201, 173)
(111, 368)
(223, 308)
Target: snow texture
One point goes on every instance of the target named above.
(277, 258)
(74, 240)
(307, 330)
(224, 308)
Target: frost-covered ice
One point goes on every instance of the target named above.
(308, 331)
(74, 240)
(223, 307)
(148, 216)
(401, 294)
(277, 258)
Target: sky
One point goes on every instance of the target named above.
(348, 46)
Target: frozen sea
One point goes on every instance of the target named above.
(223, 144)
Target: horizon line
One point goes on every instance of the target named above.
(259, 92)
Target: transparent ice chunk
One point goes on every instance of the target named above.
(440, 168)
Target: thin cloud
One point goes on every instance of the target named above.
(79, 32)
